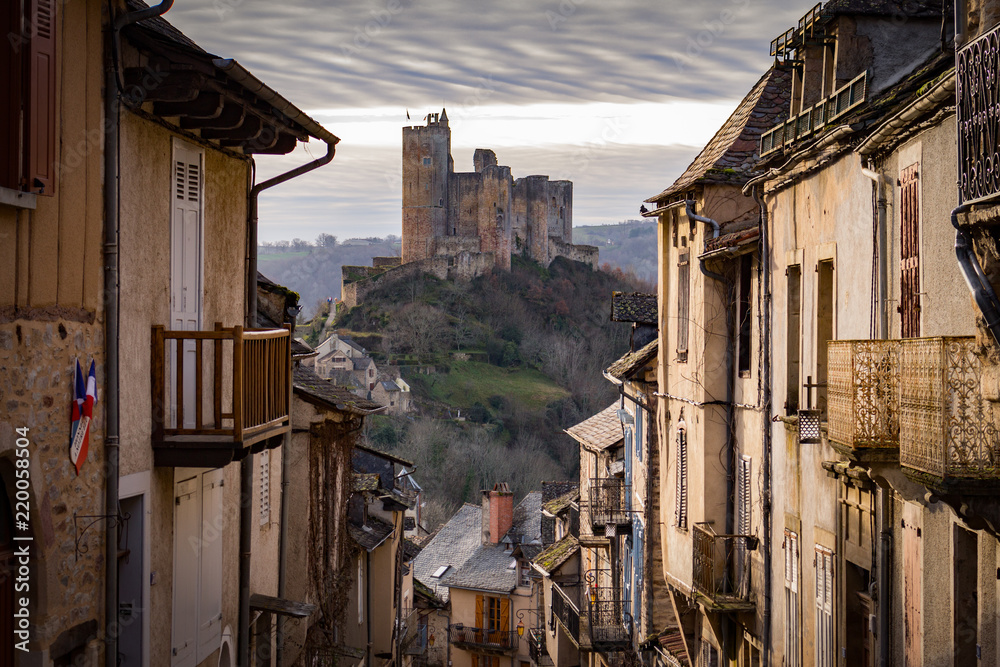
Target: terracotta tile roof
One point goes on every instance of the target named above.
(312, 387)
(557, 554)
(731, 155)
(632, 362)
(633, 307)
(600, 431)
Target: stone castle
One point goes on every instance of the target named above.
(458, 225)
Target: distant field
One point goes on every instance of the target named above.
(471, 382)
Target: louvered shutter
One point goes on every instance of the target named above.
(479, 611)
(683, 304)
(680, 507)
(825, 656)
(210, 590)
(909, 252)
(40, 113)
(792, 638)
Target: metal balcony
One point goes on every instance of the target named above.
(536, 647)
(978, 124)
(863, 397)
(480, 639)
(215, 393)
(722, 569)
(948, 432)
(566, 611)
(610, 506)
(608, 618)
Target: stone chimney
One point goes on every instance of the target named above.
(498, 513)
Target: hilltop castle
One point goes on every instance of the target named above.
(464, 224)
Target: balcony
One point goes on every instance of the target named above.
(216, 393)
(536, 647)
(610, 507)
(564, 609)
(608, 618)
(948, 433)
(978, 124)
(479, 639)
(816, 117)
(863, 398)
(722, 569)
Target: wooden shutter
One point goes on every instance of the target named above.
(505, 614)
(210, 589)
(792, 637)
(680, 507)
(909, 252)
(187, 532)
(824, 607)
(913, 625)
(683, 304)
(475, 660)
(41, 108)
(479, 611)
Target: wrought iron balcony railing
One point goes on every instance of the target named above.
(947, 429)
(536, 647)
(978, 122)
(564, 609)
(607, 614)
(479, 638)
(214, 393)
(722, 567)
(609, 504)
(863, 394)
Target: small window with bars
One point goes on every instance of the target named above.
(681, 501)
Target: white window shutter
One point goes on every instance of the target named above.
(210, 590)
(187, 546)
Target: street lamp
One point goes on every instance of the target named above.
(520, 619)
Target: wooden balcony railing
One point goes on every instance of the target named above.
(502, 641)
(609, 504)
(214, 393)
(564, 609)
(863, 394)
(722, 568)
(948, 431)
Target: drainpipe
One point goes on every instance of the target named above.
(246, 465)
(972, 271)
(111, 296)
(730, 390)
(885, 550)
(878, 181)
(765, 334)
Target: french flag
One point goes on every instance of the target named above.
(84, 397)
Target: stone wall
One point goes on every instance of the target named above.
(463, 266)
(587, 254)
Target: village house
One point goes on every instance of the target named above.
(193, 400)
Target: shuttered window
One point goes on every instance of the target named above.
(683, 303)
(909, 252)
(28, 111)
(197, 582)
(825, 651)
(681, 501)
(793, 646)
(745, 317)
(265, 487)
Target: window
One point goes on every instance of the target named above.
(909, 252)
(680, 504)
(825, 637)
(793, 649)
(639, 444)
(197, 578)
(793, 343)
(480, 660)
(492, 613)
(265, 487)
(683, 295)
(524, 574)
(824, 328)
(427, 161)
(745, 315)
(440, 572)
(28, 109)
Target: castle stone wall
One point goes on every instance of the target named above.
(588, 254)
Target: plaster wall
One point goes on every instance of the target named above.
(463, 610)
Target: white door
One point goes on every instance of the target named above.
(187, 531)
(186, 204)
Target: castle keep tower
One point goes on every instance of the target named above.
(483, 216)
(426, 167)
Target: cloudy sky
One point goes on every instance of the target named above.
(616, 96)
